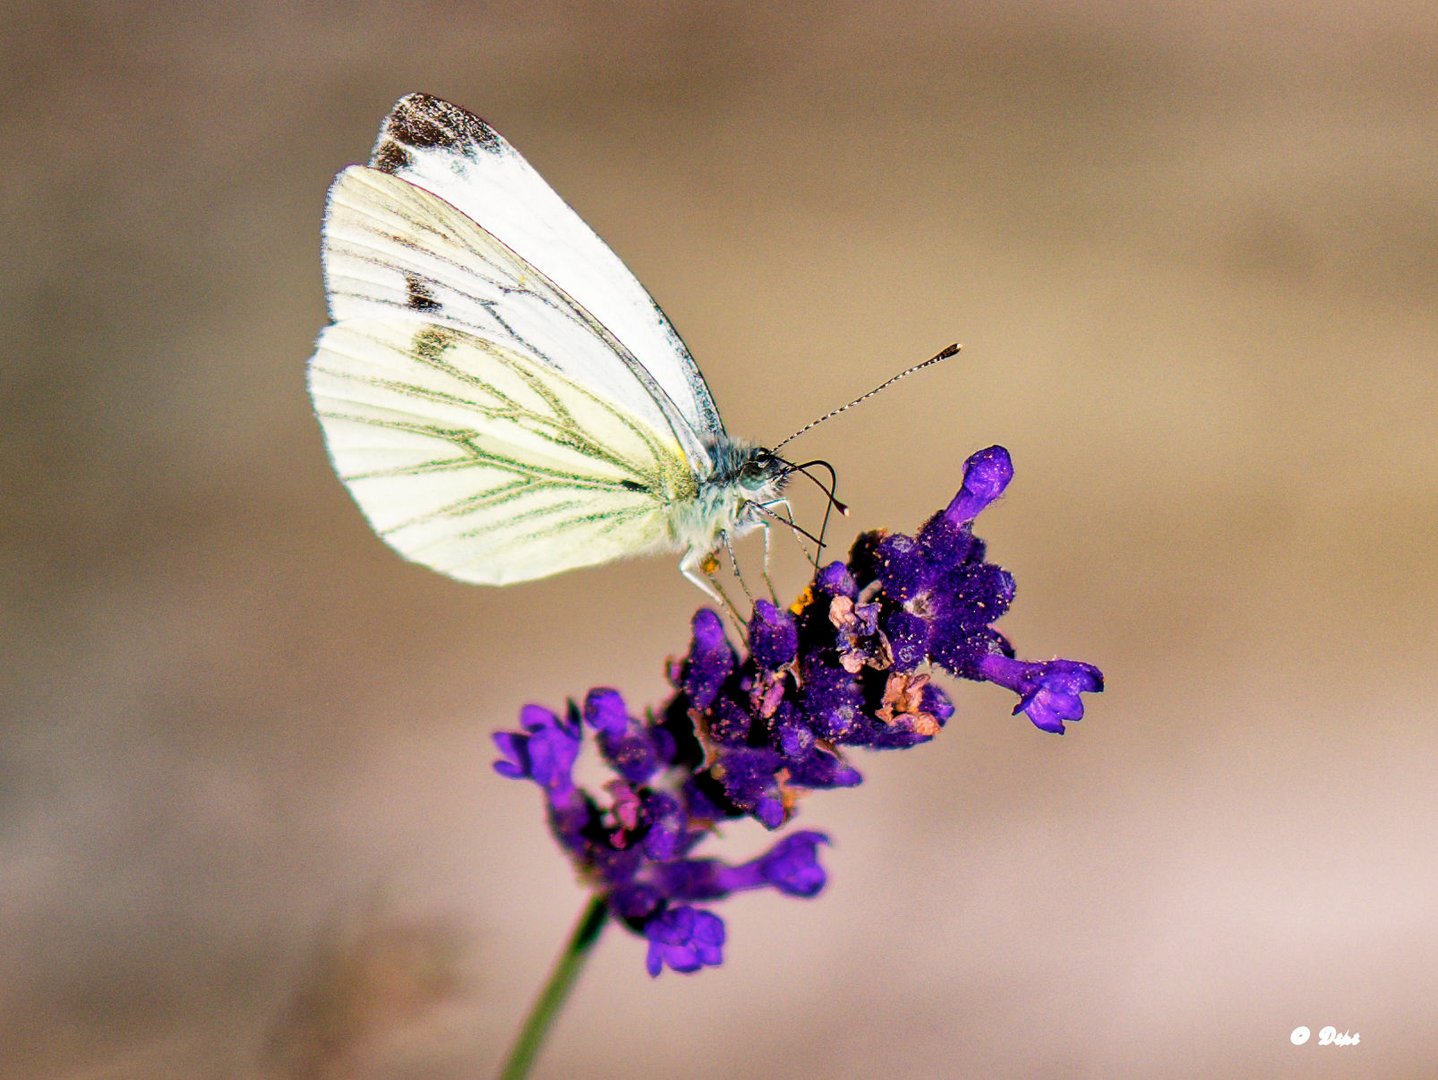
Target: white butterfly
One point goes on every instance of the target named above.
(500, 395)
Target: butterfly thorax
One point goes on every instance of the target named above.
(729, 499)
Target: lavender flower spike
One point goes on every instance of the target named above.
(749, 733)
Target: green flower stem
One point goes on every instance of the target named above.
(551, 998)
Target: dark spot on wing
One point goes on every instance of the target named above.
(630, 485)
(418, 295)
(431, 342)
(389, 156)
(425, 122)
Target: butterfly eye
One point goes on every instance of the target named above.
(757, 467)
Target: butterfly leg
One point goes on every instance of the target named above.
(734, 563)
(788, 519)
(693, 565)
(768, 581)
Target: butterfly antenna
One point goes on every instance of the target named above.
(935, 359)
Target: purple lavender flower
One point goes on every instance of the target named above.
(1048, 690)
(544, 751)
(748, 734)
(686, 939)
(773, 637)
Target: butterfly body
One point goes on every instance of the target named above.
(500, 395)
(725, 503)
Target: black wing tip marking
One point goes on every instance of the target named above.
(390, 156)
(418, 294)
(425, 122)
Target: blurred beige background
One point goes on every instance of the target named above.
(248, 825)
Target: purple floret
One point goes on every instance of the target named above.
(773, 637)
(544, 751)
(986, 475)
(684, 939)
(711, 659)
(1048, 690)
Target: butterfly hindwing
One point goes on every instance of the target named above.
(481, 462)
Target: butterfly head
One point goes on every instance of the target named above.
(749, 474)
(761, 475)
(746, 488)
(735, 496)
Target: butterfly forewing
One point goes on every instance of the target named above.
(457, 156)
(396, 251)
(481, 462)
